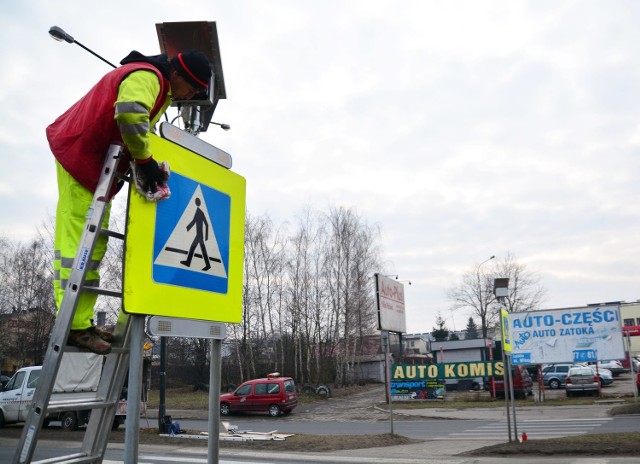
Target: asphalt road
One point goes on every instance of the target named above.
(446, 433)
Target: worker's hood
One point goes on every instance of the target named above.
(161, 62)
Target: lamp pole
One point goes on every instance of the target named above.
(222, 125)
(484, 312)
(481, 297)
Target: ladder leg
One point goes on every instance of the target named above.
(96, 436)
(42, 395)
(134, 390)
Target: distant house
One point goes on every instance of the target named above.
(416, 344)
(630, 315)
(461, 350)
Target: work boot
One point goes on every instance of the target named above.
(89, 340)
(105, 334)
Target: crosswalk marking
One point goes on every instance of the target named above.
(535, 428)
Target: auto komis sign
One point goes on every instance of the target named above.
(420, 381)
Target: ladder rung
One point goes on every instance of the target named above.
(122, 176)
(77, 458)
(75, 405)
(103, 291)
(75, 349)
(112, 233)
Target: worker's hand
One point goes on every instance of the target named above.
(151, 174)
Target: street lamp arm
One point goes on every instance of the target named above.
(222, 125)
(486, 260)
(59, 34)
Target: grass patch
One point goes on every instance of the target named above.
(179, 398)
(304, 443)
(631, 408)
(601, 444)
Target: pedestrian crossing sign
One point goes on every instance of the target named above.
(184, 255)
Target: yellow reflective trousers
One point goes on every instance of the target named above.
(74, 202)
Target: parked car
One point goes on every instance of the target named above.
(581, 379)
(554, 375)
(275, 395)
(476, 383)
(522, 383)
(614, 366)
(605, 375)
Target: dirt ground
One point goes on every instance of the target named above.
(310, 443)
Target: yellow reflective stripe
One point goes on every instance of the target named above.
(138, 90)
(140, 87)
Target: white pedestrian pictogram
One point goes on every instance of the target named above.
(192, 245)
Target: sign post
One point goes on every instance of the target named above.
(391, 318)
(184, 258)
(501, 291)
(167, 326)
(187, 252)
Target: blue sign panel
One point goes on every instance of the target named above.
(191, 243)
(521, 358)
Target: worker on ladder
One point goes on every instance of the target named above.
(121, 108)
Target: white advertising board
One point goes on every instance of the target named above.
(390, 297)
(566, 335)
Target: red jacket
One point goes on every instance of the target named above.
(80, 137)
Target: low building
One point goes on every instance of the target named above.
(25, 335)
(630, 316)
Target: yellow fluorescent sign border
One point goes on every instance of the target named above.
(142, 295)
(506, 333)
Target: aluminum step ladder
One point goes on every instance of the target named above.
(126, 352)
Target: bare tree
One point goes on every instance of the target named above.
(27, 293)
(263, 295)
(475, 292)
(307, 298)
(5, 256)
(526, 293)
(351, 255)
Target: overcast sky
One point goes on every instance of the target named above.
(463, 129)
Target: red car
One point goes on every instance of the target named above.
(522, 383)
(275, 395)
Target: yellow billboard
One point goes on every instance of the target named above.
(506, 334)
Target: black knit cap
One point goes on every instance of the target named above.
(194, 67)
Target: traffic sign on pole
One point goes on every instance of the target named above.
(184, 255)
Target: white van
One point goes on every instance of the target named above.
(78, 378)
